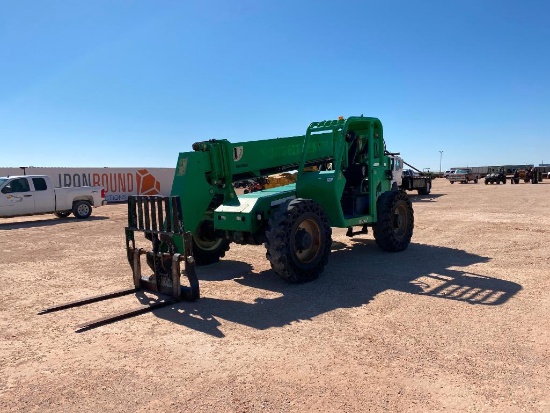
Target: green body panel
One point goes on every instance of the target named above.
(191, 185)
(203, 178)
(254, 209)
(325, 187)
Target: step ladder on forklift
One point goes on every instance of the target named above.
(160, 219)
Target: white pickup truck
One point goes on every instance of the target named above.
(35, 194)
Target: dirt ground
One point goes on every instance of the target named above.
(457, 322)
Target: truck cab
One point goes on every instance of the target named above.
(24, 196)
(396, 171)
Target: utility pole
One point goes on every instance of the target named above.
(440, 157)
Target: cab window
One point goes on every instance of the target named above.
(17, 185)
(39, 184)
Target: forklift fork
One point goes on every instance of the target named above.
(160, 219)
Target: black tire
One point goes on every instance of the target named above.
(394, 229)
(486, 182)
(208, 247)
(503, 181)
(62, 214)
(425, 190)
(452, 182)
(475, 180)
(298, 241)
(82, 209)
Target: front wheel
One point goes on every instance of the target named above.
(208, 246)
(394, 229)
(475, 181)
(298, 240)
(82, 209)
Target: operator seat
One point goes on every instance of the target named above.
(355, 200)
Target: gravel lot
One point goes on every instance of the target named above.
(457, 322)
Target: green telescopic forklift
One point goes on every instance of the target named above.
(344, 180)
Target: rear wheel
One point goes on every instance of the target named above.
(475, 180)
(394, 229)
(208, 246)
(82, 209)
(298, 240)
(425, 190)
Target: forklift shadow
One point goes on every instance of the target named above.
(47, 222)
(354, 276)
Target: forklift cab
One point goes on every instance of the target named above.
(349, 192)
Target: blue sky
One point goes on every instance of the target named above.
(132, 83)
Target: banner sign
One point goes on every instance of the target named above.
(117, 182)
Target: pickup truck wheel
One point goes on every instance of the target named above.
(394, 229)
(82, 209)
(475, 181)
(63, 214)
(298, 241)
(452, 182)
(208, 247)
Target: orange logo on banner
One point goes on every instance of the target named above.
(147, 184)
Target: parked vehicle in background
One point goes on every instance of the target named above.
(463, 175)
(409, 179)
(534, 175)
(447, 173)
(412, 180)
(35, 194)
(495, 176)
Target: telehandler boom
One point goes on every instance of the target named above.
(343, 180)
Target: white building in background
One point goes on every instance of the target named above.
(118, 182)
